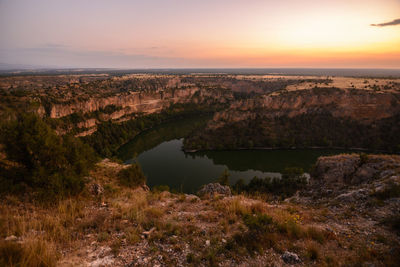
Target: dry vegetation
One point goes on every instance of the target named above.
(123, 226)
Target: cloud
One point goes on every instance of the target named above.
(390, 23)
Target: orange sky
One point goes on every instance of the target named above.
(207, 33)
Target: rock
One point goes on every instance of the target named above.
(360, 194)
(96, 189)
(394, 179)
(147, 234)
(387, 173)
(11, 238)
(145, 188)
(106, 261)
(192, 198)
(215, 189)
(335, 169)
(207, 243)
(290, 258)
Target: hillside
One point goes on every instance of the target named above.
(351, 221)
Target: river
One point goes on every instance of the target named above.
(159, 152)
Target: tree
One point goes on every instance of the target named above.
(53, 165)
(224, 178)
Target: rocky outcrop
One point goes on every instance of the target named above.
(356, 179)
(360, 105)
(139, 102)
(214, 189)
(290, 258)
(354, 169)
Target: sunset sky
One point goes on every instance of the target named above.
(206, 33)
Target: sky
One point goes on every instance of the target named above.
(201, 34)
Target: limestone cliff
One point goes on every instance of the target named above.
(361, 105)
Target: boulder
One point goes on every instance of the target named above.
(214, 189)
(352, 196)
(335, 169)
(96, 189)
(290, 258)
(191, 198)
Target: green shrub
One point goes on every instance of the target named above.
(292, 180)
(224, 178)
(260, 223)
(50, 164)
(132, 176)
(260, 234)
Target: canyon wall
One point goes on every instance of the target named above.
(130, 102)
(361, 105)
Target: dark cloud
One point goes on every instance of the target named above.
(390, 23)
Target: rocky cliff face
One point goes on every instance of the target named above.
(369, 183)
(360, 105)
(128, 104)
(138, 102)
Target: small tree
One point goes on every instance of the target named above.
(224, 178)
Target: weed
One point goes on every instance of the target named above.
(103, 236)
(312, 252)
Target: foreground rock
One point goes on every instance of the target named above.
(353, 177)
(214, 189)
(291, 258)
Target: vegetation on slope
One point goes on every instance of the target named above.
(292, 180)
(42, 160)
(307, 130)
(110, 136)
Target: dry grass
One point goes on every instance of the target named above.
(32, 252)
(246, 225)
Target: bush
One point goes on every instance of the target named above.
(132, 176)
(224, 178)
(393, 222)
(50, 164)
(260, 234)
(391, 190)
(260, 223)
(292, 180)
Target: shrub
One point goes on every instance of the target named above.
(161, 188)
(312, 252)
(292, 180)
(316, 234)
(259, 235)
(363, 158)
(391, 190)
(132, 176)
(52, 165)
(260, 223)
(224, 178)
(393, 221)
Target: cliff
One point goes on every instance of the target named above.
(361, 105)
